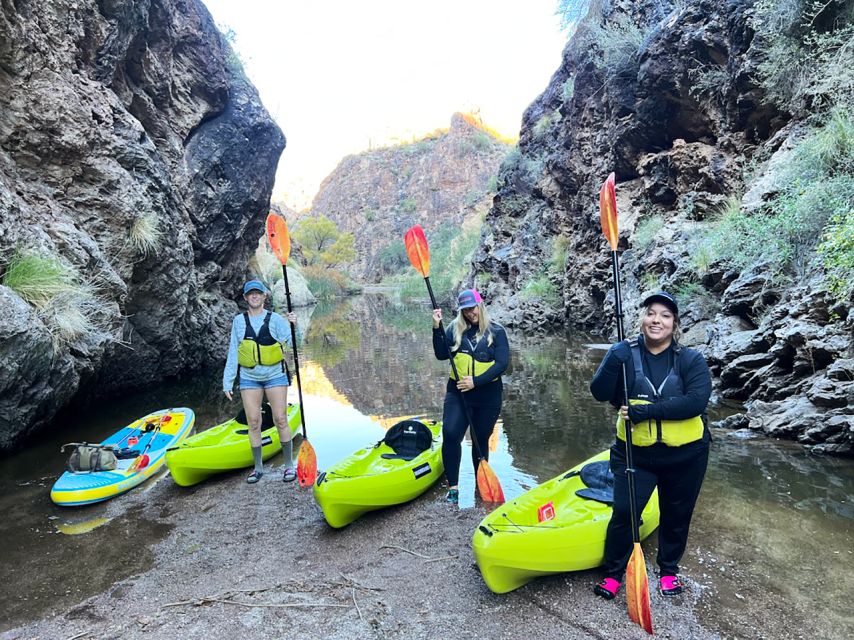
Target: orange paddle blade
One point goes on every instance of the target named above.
(306, 464)
(608, 211)
(417, 250)
(140, 463)
(277, 235)
(487, 484)
(637, 590)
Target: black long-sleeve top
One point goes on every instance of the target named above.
(488, 387)
(607, 383)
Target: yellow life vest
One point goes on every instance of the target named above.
(258, 349)
(466, 362)
(673, 433)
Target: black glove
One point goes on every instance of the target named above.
(638, 413)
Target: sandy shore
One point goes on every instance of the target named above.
(267, 546)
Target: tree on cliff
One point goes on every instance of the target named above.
(323, 244)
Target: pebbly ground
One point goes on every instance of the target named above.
(267, 546)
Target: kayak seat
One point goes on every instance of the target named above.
(599, 480)
(407, 439)
(266, 417)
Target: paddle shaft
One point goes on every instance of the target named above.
(151, 439)
(630, 466)
(294, 345)
(466, 408)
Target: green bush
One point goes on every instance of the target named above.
(837, 254)
(546, 122)
(327, 284)
(541, 288)
(408, 205)
(568, 89)
(492, 184)
(813, 206)
(370, 215)
(806, 48)
(65, 303)
(38, 278)
(646, 231)
(481, 141)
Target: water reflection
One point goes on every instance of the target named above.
(368, 362)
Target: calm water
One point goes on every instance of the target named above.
(772, 509)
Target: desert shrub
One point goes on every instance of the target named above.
(65, 302)
(646, 231)
(541, 288)
(326, 284)
(408, 205)
(837, 255)
(813, 206)
(145, 234)
(806, 47)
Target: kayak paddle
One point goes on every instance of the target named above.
(142, 460)
(280, 242)
(419, 255)
(637, 584)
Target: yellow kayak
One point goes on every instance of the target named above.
(396, 470)
(550, 529)
(224, 447)
(150, 435)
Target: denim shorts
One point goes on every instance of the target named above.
(278, 381)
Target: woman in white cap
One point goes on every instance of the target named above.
(669, 388)
(256, 355)
(481, 354)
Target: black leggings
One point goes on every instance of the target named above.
(678, 472)
(454, 428)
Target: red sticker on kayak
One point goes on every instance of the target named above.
(132, 441)
(546, 512)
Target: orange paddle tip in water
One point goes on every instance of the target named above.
(418, 250)
(277, 236)
(637, 590)
(608, 211)
(306, 464)
(488, 485)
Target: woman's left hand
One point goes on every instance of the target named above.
(466, 383)
(292, 317)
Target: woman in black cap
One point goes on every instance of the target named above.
(669, 388)
(481, 354)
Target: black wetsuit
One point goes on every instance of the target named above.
(484, 400)
(676, 471)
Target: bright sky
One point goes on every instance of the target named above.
(339, 76)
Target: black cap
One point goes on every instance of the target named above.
(664, 298)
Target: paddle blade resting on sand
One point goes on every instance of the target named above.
(306, 464)
(608, 211)
(278, 237)
(417, 250)
(488, 485)
(637, 590)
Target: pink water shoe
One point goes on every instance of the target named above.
(608, 588)
(670, 585)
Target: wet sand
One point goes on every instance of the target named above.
(268, 547)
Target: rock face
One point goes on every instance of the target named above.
(435, 182)
(681, 119)
(133, 150)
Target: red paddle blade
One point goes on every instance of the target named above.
(277, 235)
(488, 485)
(637, 590)
(608, 211)
(140, 463)
(417, 250)
(306, 465)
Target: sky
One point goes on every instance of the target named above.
(340, 77)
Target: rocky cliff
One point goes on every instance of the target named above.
(669, 96)
(136, 165)
(436, 181)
